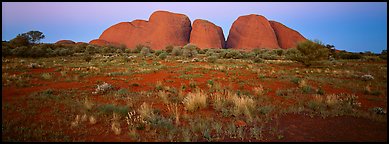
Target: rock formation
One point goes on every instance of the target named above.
(166, 28)
(65, 42)
(286, 37)
(99, 42)
(251, 31)
(206, 35)
(163, 29)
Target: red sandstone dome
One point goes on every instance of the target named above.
(287, 37)
(251, 31)
(99, 42)
(166, 28)
(206, 35)
(65, 42)
(163, 29)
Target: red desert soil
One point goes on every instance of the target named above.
(295, 127)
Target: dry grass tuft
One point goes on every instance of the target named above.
(196, 100)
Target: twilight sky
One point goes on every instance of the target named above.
(355, 27)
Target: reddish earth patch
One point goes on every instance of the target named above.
(342, 128)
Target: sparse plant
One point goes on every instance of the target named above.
(259, 91)
(145, 51)
(177, 51)
(158, 86)
(46, 76)
(173, 108)
(243, 105)
(146, 112)
(164, 96)
(196, 100)
(212, 59)
(115, 126)
(102, 88)
(87, 58)
(162, 56)
(367, 77)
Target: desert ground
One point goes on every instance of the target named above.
(134, 97)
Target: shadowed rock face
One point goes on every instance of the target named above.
(65, 42)
(163, 29)
(251, 31)
(206, 35)
(287, 38)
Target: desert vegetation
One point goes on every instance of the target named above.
(82, 92)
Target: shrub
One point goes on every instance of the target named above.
(163, 55)
(384, 54)
(103, 88)
(110, 108)
(46, 76)
(212, 59)
(145, 51)
(269, 54)
(348, 55)
(258, 59)
(22, 51)
(189, 51)
(311, 52)
(87, 58)
(177, 51)
(169, 49)
(232, 54)
(138, 48)
(6, 49)
(196, 100)
(90, 49)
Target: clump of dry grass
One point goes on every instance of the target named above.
(88, 104)
(164, 96)
(173, 109)
(76, 121)
(302, 83)
(196, 100)
(92, 120)
(146, 112)
(115, 126)
(332, 100)
(243, 105)
(259, 91)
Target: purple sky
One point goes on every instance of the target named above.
(355, 27)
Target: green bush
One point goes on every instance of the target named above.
(258, 59)
(87, 58)
(348, 55)
(158, 52)
(145, 51)
(138, 48)
(90, 49)
(310, 52)
(234, 54)
(383, 54)
(21, 51)
(212, 59)
(163, 55)
(177, 51)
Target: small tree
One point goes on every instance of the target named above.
(311, 51)
(34, 36)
